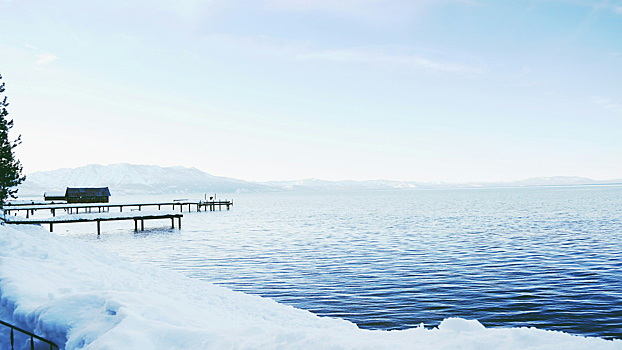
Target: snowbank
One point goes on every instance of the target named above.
(82, 297)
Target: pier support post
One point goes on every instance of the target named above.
(172, 223)
(98, 227)
(179, 222)
(51, 227)
(142, 224)
(135, 225)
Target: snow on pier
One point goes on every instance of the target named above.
(98, 212)
(96, 217)
(104, 207)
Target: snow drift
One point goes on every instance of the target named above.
(82, 297)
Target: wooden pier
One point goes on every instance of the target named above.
(98, 212)
(98, 218)
(105, 207)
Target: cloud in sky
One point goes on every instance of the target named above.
(385, 13)
(352, 6)
(377, 57)
(45, 58)
(357, 6)
(395, 57)
(42, 57)
(607, 104)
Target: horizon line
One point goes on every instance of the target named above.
(436, 182)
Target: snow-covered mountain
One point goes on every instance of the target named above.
(317, 184)
(544, 181)
(558, 181)
(152, 179)
(134, 179)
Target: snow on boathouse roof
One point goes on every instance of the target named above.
(87, 192)
(87, 195)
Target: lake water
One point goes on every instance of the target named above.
(550, 258)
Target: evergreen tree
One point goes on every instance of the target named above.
(10, 167)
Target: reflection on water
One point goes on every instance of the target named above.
(549, 257)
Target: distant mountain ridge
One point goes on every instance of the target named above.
(151, 179)
(389, 184)
(134, 179)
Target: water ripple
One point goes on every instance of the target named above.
(548, 258)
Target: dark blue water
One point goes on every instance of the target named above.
(549, 258)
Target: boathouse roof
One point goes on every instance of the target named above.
(87, 192)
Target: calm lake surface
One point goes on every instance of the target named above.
(549, 258)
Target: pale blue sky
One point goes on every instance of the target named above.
(445, 90)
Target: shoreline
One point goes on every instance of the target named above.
(80, 296)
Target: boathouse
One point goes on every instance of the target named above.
(53, 196)
(87, 195)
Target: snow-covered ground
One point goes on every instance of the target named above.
(82, 297)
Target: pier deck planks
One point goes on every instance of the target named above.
(103, 207)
